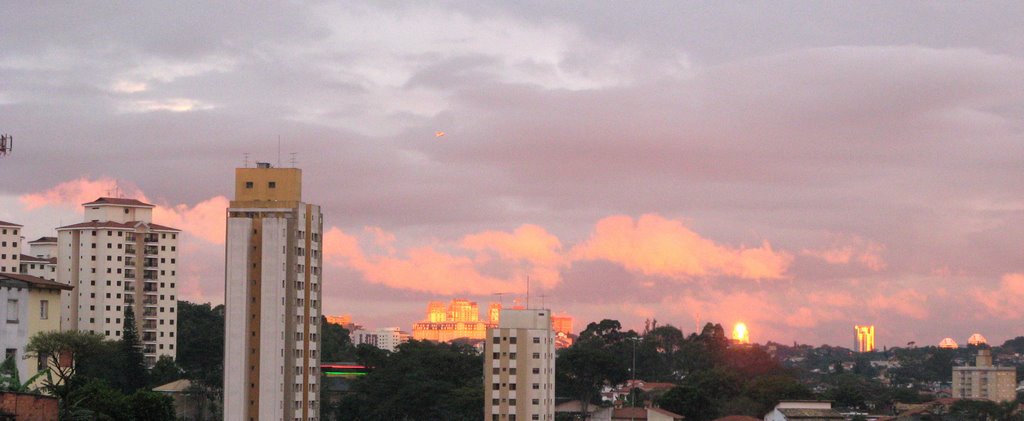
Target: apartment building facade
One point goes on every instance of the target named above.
(115, 260)
(984, 380)
(272, 298)
(10, 247)
(519, 367)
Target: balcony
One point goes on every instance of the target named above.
(150, 300)
(151, 238)
(149, 262)
(129, 238)
(129, 274)
(149, 324)
(149, 287)
(149, 348)
(149, 312)
(129, 249)
(129, 299)
(149, 275)
(129, 288)
(151, 250)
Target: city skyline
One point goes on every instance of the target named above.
(800, 168)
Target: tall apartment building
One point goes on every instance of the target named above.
(10, 251)
(41, 259)
(864, 338)
(272, 298)
(519, 367)
(118, 258)
(984, 380)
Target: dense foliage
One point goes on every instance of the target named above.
(421, 380)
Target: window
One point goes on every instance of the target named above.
(512, 355)
(536, 340)
(272, 184)
(12, 310)
(536, 401)
(536, 370)
(536, 355)
(248, 184)
(44, 309)
(512, 386)
(512, 340)
(497, 340)
(536, 386)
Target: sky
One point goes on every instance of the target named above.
(798, 166)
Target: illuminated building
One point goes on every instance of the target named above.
(562, 324)
(519, 367)
(272, 298)
(976, 340)
(494, 313)
(985, 381)
(460, 319)
(386, 338)
(948, 343)
(118, 259)
(740, 334)
(41, 259)
(864, 338)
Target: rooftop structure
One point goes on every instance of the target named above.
(948, 343)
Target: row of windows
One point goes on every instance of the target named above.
(512, 339)
(512, 386)
(512, 355)
(131, 237)
(512, 401)
(14, 231)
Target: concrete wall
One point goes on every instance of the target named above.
(29, 407)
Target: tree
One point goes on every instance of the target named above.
(149, 405)
(133, 364)
(336, 343)
(164, 371)
(62, 350)
(690, 402)
(201, 343)
(421, 380)
(585, 367)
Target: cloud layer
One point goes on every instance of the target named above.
(795, 167)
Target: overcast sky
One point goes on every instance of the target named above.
(798, 166)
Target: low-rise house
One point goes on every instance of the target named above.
(803, 410)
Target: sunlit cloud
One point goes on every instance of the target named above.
(1006, 301)
(851, 249)
(654, 245)
(176, 105)
(128, 87)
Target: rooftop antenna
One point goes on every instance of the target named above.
(499, 294)
(245, 163)
(279, 151)
(542, 300)
(292, 159)
(527, 292)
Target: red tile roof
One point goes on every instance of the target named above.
(118, 201)
(110, 224)
(35, 281)
(44, 240)
(8, 224)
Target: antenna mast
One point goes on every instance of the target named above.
(527, 292)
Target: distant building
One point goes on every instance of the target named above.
(118, 258)
(272, 298)
(459, 319)
(386, 338)
(41, 259)
(803, 410)
(864, 338)
(30, 305)
(740, 334)
(976, 340)
(519, 367)
(948, 343)
(10, 249)
(984, 380)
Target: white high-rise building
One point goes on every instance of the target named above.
(519, 367)
(116, 259)
(10, 249)
(272, 298)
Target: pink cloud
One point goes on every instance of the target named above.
(1006, 302)
(849, 249)
(654, 245)
(205, 220)
(75, 192)
(437, 268)
(909, 303)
